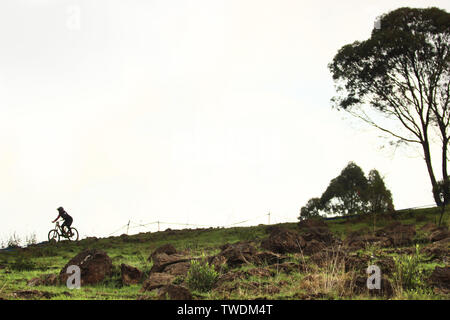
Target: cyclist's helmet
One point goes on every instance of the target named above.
(60, 209)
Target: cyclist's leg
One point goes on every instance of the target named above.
(63, 227)
(68, 223)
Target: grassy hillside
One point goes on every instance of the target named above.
(313, 280)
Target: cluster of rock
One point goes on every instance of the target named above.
(170, 267)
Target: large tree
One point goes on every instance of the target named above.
(347, 193)
(399, 80)
(351, 193)
(378, 196)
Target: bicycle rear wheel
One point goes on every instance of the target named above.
(74, 236)
(53, 235)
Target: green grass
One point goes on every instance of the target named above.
(22, 265)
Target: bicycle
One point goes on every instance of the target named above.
(55, 234)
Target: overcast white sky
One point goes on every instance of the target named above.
(204, 112)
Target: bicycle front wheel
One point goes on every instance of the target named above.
(53, 235)
(74, 235)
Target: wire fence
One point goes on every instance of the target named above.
(280, 219)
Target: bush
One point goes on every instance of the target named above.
(201, 276)
(409, 275)
(31, 239)
(14, 241)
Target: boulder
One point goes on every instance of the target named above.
(439, 250)
(283, 240)
(130, 275)
(439, 234)
(440, 278)
(95, 266)
(167, 249)
(174, 292)
(162, 260)
(157, 280)
(178, 269)
(237, 254)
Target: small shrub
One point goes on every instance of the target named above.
(409, 274)
(201, 276)
(31, 239)
(14, 241)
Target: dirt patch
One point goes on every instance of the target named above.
(289, 267)
(397, 234)
(359, 286)
(313, 246)
(356, 240)
(33, 294)
(316, 229)
(269, 258)
(259, 272)
(45, 280)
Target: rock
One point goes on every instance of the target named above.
(130, 275)
(167, 249)
(283, 240)
(439, 234)
(178, 269)
(95, 266)
(237, 254)
(440, 278)
(174, 292)
(439, 250)
(157, 280)
(162, 260)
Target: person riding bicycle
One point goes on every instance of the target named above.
(67, 220)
